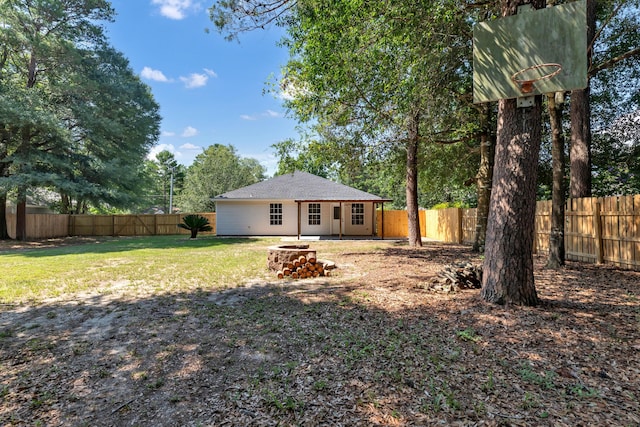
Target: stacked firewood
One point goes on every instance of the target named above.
(458, 276)
(303, 268)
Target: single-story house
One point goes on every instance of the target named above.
(299, 204)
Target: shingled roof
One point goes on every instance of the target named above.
(300, 187)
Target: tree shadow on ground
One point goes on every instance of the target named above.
(340, 351)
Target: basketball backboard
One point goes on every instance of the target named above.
(546, 46)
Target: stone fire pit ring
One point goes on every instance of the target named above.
(280, 255)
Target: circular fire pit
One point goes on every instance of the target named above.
(282, 254)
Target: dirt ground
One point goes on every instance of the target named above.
(372, 345)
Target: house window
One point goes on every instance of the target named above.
(357, 214)
(314, 213)
(275, 213)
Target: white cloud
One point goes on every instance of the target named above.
(168, 133)
(194, 80)
(189, 131)
(155, 75)
(158, 148)
(176, 9)
(271, 113)
(189, 146)
(210, 73)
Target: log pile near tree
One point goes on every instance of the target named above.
(303, 268)
(458, 276)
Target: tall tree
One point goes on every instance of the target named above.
(397, 77)
(215, 171)
(555, 102)
(508, 265)
(167, 174)
(389, 86)
(613, 34)
(89, 121)
(484, 177)
(580, 180)
(114, 121)
(42, 36)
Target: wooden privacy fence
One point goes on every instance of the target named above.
(132, 225)
(597, 230)
(604, 229)
(42, 226)
(438, 224)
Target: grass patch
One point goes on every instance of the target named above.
(159, 263)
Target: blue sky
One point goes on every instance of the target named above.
(209, 90)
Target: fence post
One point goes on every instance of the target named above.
(459, 211)
(597, 225)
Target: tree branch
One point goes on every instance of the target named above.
(613, 61)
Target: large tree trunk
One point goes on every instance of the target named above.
(556, 238)
(21, 215)
(4, 232)
(483, 179)
(508, 266)
(415, 239)
(580, 155)
(65, 204)
(580, 144)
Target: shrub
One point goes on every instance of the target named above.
(195, 223)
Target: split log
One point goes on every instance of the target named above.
(458, 276)
(304, 267)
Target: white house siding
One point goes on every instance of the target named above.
(251, 218)
(323, 229)
(365, 229)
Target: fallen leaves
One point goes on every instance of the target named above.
(366, 347)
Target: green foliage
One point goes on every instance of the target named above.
(195, 223)
(76, 119)
(310, 156)
(447, 205)
(616, 158)
(165, 178)
(390, 62)
(217, 170)
(546, 380)
(468, 334)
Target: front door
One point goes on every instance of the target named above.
(335, 219)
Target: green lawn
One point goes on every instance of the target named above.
(157, 263)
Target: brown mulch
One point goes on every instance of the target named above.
(372, 345)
